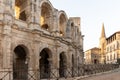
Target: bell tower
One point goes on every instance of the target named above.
(102, 45)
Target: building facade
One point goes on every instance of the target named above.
(92, 56)
(97, 54)
(113, 48)
(36, 36)
(109, 48)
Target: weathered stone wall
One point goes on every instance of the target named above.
(30, 35)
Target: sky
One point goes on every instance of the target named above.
(93, 14)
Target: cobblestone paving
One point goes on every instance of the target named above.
(113, 75)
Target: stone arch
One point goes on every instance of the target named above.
(20, 62)
(46, 15)
(95, 61)
(62, 22)
(45, 62)
(46, 46)
(20, 9)
(23, 43)
(68, 29)
(72, 24)
(73, 63)
(72, 60)
(62, 64)
(46, 1)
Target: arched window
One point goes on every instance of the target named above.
(45, 26)
(46, 16)
(62, 23)
(117, 45)
(20, 9)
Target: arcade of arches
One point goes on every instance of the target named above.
(20, 64)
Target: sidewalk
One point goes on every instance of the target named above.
(110, 75)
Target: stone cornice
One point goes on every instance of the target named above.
(58, 39)
(42, 33)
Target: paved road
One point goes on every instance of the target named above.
(114, 75)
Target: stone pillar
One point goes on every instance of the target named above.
(55, 29)
(33, 66)
(33, 13)
(36, 11)
(1, 7)
(6, 44)
(75, 62)
(1, 54)
(69, 64)
(68, 30)
(37, 69)
(53, 67)
(6, 41)
(56, 59)
(36, 59)
(70, 59)
(8, 6)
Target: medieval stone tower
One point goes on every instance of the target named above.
(102, 45)
(35, 36)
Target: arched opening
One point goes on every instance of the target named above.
(20, 9)
(72, 65)
(72, 30)
(62, 65)
(95, 61)
(72, 24)
(46, 16)
(22, 16)
(45, 26)
(20, 64)
(44, 63)
(62, 24)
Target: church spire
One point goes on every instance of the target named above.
(103, 31)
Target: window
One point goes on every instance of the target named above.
(110, 48)
(45, 26)
(114, 47)
(22, 16)
(117, 45)
(20, 9)
(110, 57)
(107, 58)
(107, 49)
(114, 56)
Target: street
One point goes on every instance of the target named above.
(113, 75)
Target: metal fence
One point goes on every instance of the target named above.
(57, 74)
